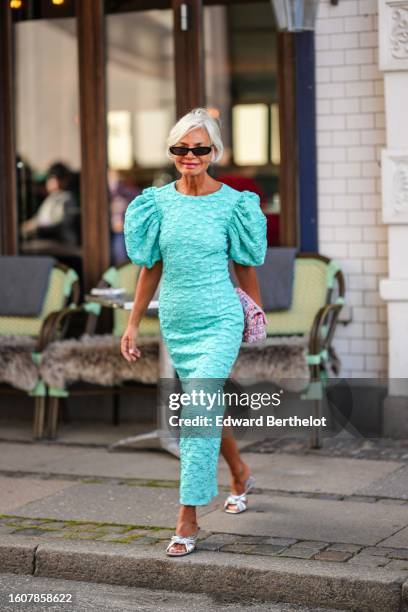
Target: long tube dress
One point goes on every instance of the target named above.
(201, 317)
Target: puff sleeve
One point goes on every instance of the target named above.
(142, 229)
(247, 231)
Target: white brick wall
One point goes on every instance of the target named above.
(350, 136)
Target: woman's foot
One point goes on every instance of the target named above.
(189, 544)
(186, 526)
(239, 479)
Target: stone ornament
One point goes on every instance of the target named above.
(393, 34)
(399, 33)
(395, 186)
(400, 188)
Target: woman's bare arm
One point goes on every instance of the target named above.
(248, 281)
(145, 288)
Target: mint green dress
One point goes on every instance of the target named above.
(201, 317)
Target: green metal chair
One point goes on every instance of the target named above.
(121, 276)
(318, 297)
(25, 338)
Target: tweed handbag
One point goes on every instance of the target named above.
(254, 318)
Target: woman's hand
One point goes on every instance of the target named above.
(128, 342)
(146, 285)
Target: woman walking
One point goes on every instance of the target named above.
(187, 230)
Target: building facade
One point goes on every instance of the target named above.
(362, 96)
(315, 122)
(351, 135)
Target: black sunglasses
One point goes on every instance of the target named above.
(198, 151)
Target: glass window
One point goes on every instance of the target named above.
(48, 138)
(141, 109)
(240, 44)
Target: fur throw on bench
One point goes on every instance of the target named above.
(97, 360)
(17, 367)
(282, 364)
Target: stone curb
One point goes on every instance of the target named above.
(234, 576)
(17, 556)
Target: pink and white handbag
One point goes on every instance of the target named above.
(254, 318)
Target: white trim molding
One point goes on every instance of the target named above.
(394, 290)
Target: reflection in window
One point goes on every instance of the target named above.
(250, 134)
(151, 131)
(48, 140)
(275, 137)
(119, 139)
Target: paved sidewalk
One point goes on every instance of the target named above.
(320, 530)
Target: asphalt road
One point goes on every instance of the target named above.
(87, 597)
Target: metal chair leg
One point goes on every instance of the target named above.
(116, 407)
(316, 438)
(39, 416)
(52, 421)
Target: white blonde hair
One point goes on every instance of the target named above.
(197, 118)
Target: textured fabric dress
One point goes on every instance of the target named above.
(201, 317)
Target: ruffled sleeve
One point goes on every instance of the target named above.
(142, 229)
(247, 231)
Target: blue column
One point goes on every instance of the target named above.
(306, 136)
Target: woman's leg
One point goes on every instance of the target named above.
(199, 451)
(187, 518)
(239, 469)
(187, 521)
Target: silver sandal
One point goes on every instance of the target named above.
(188, 541)
(240, 501)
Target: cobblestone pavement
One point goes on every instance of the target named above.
(385, 449)
(138, 535)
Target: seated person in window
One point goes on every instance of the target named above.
(58, 215)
